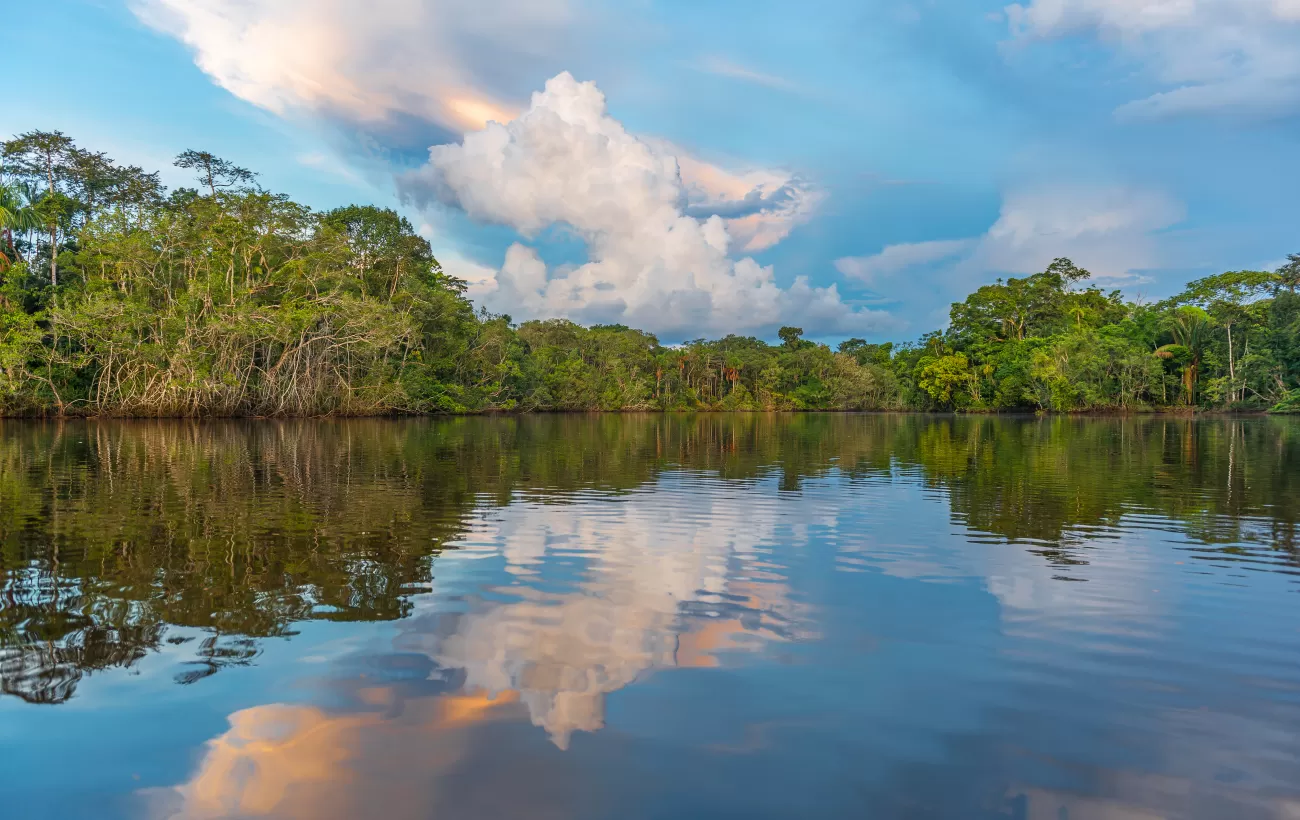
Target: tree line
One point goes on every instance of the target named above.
(120, 297)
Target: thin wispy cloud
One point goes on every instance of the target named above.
(1114, 231)
(723, 67)
(1211, 56)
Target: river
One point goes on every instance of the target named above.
(651, 616)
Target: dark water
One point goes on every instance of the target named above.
(651, 617)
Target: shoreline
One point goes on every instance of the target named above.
(1184, 413)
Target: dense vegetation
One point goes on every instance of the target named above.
(119, 297)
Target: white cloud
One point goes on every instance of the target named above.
(451, 62)
(481, 280)
(759, 206)
(1112, 231)
(1241, 56)
(896, 258)
(652, 264)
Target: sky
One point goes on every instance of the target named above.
(694, 169)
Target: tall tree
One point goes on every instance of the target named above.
(213, 171)
(383, 247)
(1017, 308)
(1190, 328)
(93, 179)
(1227, 297)
(44, 155)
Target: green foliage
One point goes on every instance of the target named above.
(118, 297)
(947, 380)
(1290, 404)
(214, 172)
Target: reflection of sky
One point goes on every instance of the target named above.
(707, 648)
(602, 592)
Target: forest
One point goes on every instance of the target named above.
(120, 297)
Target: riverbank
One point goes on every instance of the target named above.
(238, 302)
(1174, 412)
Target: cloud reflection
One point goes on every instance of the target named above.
(651, 589)
(583, 600)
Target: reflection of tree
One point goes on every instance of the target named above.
(1054, 482)
(110, 532)
(48, 671)
(49, 639)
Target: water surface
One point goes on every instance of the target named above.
(651, 617)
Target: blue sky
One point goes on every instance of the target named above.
(849, 166)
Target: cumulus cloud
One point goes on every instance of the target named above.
(480, 280)
(379, 65)
(759, 206)
(566, 161)
(1112, 231)
(1214, 55)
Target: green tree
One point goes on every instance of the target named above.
(1228, 297)
(44, 156)
(213, 171)
(1017, 308)
(947, 379)
(16, 214)
(1288, 276)
(790, 336)
(1190, 328)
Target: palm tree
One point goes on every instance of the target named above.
(16, 214)
(1191, 328)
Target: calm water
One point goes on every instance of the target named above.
(651, 617)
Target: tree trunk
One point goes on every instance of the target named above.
(1232, 371)
(54, 257)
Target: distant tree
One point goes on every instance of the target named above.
(383, 246)
(93, 178)
(866, 353)
(947, 379)
(44, 155)
(790, 336)
(213, 171)
(137, 189)
(1068, 272)
(1228, 297)
(1288, 276)
(1190, 328)
(1018, 308)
